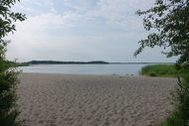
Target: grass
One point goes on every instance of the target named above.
(160, 71)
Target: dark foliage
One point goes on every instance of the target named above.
(8, 75)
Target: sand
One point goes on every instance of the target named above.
(84, 100)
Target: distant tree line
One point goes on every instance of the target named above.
(34, 62)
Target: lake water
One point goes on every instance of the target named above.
(94, 69)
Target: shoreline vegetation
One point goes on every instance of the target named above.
(162, 70)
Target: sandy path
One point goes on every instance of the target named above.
(76, 100)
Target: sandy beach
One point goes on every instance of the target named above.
(91, 100)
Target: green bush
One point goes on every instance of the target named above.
(8, 107)
(8, 85)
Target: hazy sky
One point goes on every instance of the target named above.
(81, 30)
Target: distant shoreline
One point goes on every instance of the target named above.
(51, 62)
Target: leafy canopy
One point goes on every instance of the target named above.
(7, 19)
(168, 21)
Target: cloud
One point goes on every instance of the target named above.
(79, 30)
(34, 7)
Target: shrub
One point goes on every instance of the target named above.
(180, 99)
(8, 107)
(8, 75)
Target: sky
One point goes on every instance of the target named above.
(81, 30)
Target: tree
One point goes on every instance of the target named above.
(169, 22)
(8, 76)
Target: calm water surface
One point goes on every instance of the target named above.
(96, 69)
